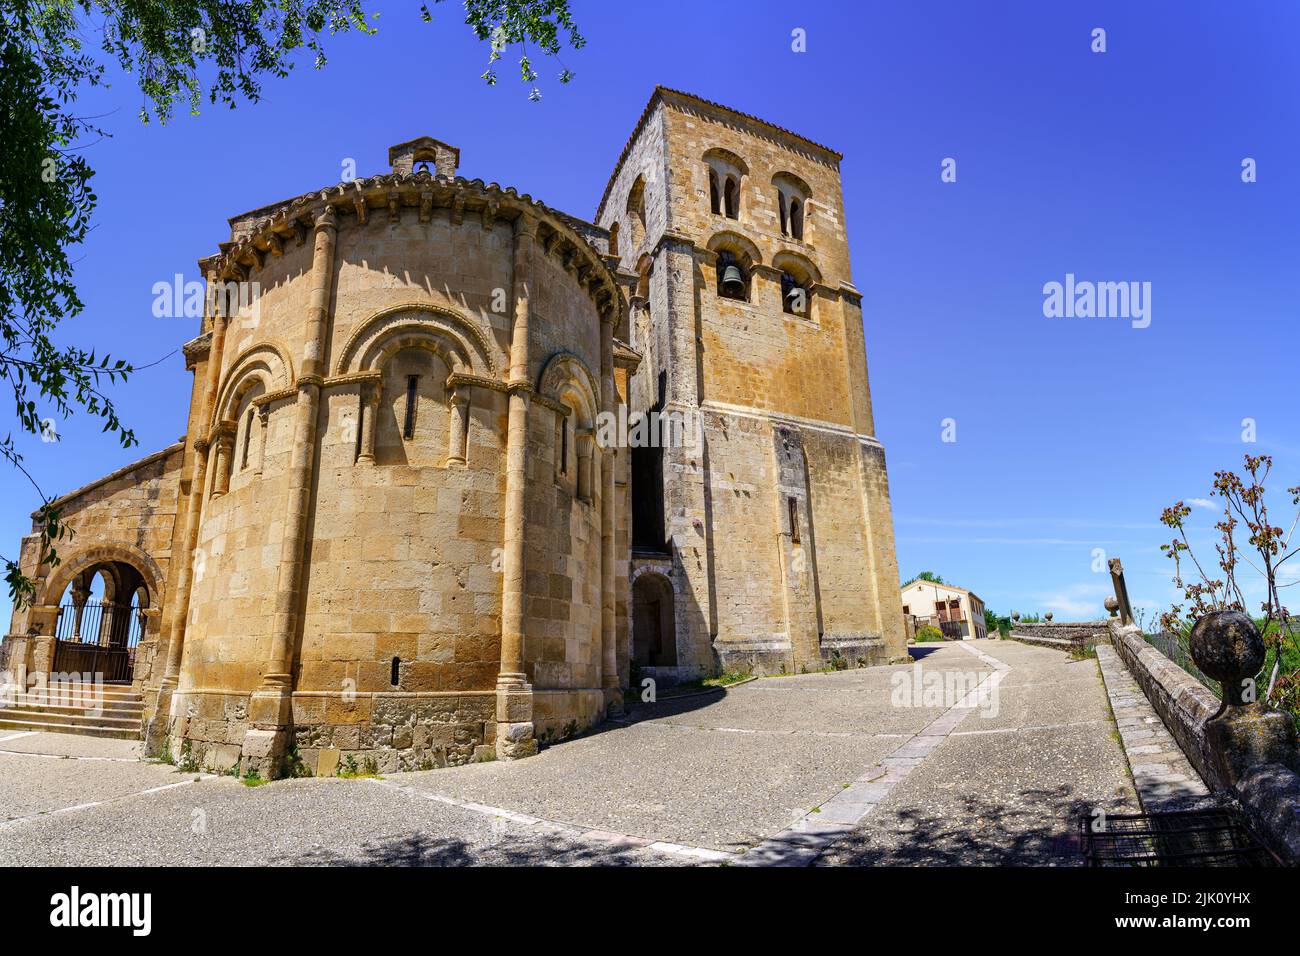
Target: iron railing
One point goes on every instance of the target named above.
(98, 622)
(1220, 836)
(98, 638)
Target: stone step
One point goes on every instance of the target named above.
(115, 708)
(70, 719)
(57, 696)
(119, 733)
(105, 690)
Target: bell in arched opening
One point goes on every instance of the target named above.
(733, 282)
(794, 297)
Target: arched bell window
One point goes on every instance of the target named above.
(792, 195)
(795, 297)
(727, 173)
(733, 278)
(799, 277)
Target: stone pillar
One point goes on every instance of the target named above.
(459, 427)
(796, 553)
(1121, 591)
(514, 736)
(178, 609)
(688, 508)
(608, 649)
(1246, 734)
(269, 708)
(369, 409)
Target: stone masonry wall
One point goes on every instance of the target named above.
(128, 516)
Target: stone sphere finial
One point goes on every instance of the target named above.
(1015, 615)
(1226, 645)
(1112, 605)
(1047, 616)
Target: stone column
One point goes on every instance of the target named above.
(369, 409)
(178, 609)
(80, 594)
(514, 737)
(459, 427)
(608, 650)
(263, 418)
(583, 485)
(224, 446)
(269, 707)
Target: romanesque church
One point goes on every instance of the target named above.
(397, 527)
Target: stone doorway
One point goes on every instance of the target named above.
(654, 629)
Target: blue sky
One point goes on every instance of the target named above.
(1072, 433)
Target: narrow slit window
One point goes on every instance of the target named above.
(408, 425)
(395, 672)
(794, 519)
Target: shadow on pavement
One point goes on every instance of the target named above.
(420, 850)
(1040, 832)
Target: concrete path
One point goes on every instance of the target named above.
(982, 753)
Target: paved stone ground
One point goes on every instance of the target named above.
(835, 768)
(1005, 789)
(1163, 776)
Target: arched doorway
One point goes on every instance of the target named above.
(100, 621)
(654, 631)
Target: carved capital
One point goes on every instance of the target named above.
(526, 225)
(327, 218)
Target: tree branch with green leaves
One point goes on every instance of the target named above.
(178, 53)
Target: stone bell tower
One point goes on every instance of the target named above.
(772, 531)
(405, 157)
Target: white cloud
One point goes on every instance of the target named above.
(1202, 503)
(1078, 602)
